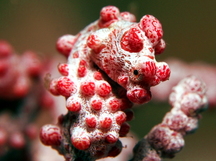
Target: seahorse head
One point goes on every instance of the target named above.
(126, 51)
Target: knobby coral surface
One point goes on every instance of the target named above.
(22, 97)
(188, 99)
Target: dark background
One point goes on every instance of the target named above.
(189, 31)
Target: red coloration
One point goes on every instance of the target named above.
(148, 69)
(73, 105)
(152, 28)
(65, 86)
(96, 104)
(127, 16)
(5, 49)
(111, 138)
(114, 105)
(190, 104)
(3, 136)
(52, 87)
(125, 104)
(50, 135)
(88, 88)
(82, 71)
(91, 121)
(139, 96)
(160, 47)
(125, 128)
(120, 117)
(123, 80)
(97, 76)
(75, 54)
(82, 63)
(17, 140)
(65, 44)
(93, 42)
(103, 89)
(105, 122)
(132, 40)
(108, 15)
(63, 69)
(162, 138)
(21, 88)
(163, 71)
(81, 142)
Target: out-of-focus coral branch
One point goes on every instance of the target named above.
(180, 70)
(187, 99)
(22, 97)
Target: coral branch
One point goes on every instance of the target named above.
(188, 99)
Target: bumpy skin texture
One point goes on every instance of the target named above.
(111, 65)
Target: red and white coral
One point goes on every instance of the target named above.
(188, 99)
(111, 64)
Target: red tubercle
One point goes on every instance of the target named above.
(120, 117)
(132, 40)
(163, 71)
(127, 16)
(65, 44)
(75, 54)
(63, 69)
(94, 42)
(103, 89)
(114, 104)
(50, 135)
(91, 121)
(139, 96)
(96, 104)
(152, 28)
(160, 47)
(81, 141)
(97, 75)
(82, 63)
(88, 88)
(65, 86)
(110, 138)
(73, 104)
(123, 80)
(81, 71)
(148, 69)
(52, 87)
(105, 122)
(108, 15)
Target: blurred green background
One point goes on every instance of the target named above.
(189, 31)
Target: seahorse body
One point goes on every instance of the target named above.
(111, 64)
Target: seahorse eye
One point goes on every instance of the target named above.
(135, 72)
